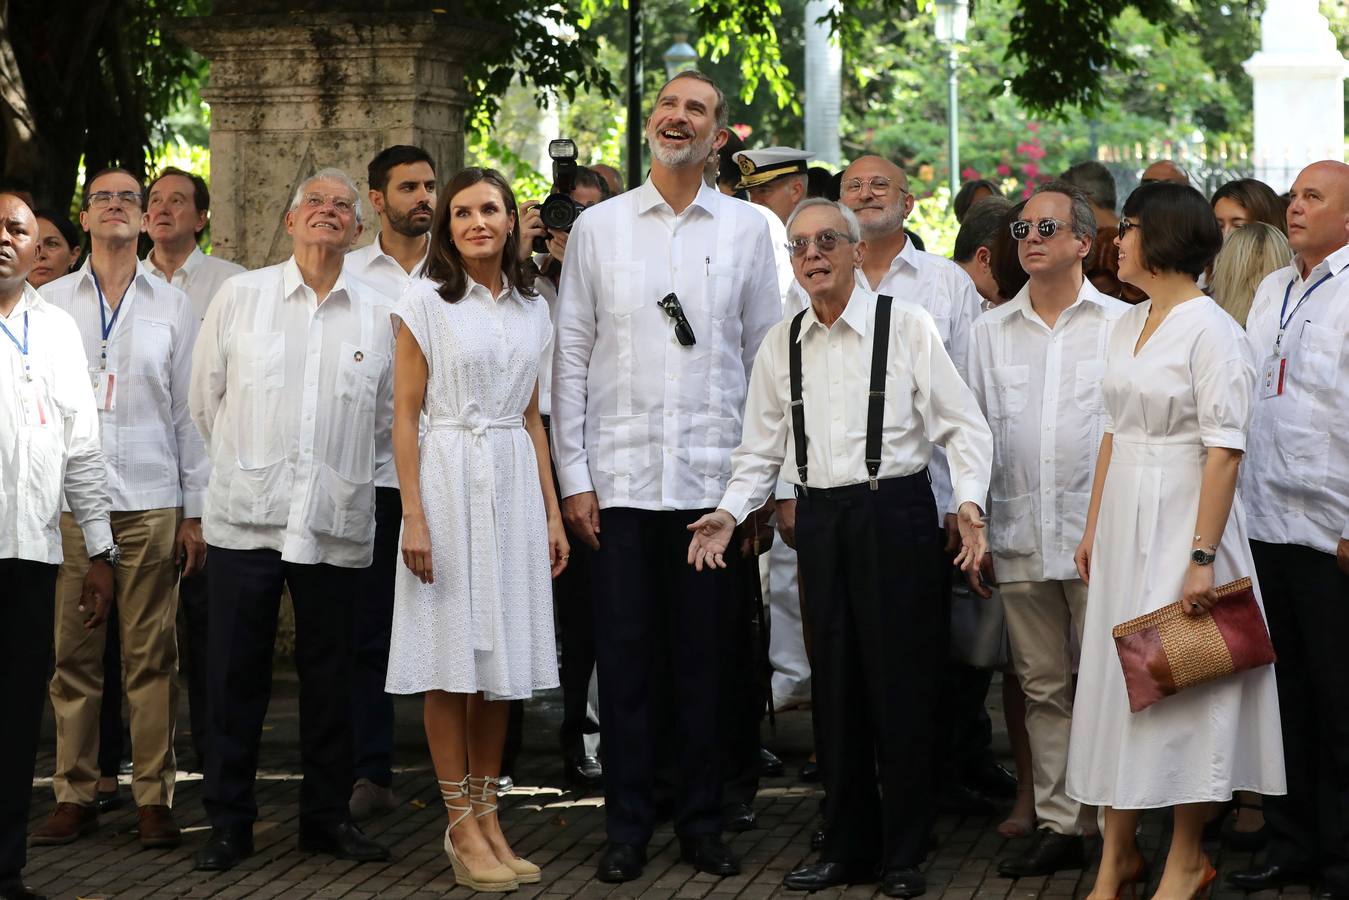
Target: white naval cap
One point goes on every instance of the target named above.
(768, 163)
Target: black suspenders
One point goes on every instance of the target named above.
(880, 350)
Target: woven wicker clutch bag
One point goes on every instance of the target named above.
(1166, 651)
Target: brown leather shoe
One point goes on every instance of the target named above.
(157, 828)
(68, 822)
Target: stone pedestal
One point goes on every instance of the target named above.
(295, 91)
(1299, 92)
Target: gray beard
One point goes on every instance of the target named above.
(890, 221)
(695, 152)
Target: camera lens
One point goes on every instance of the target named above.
(558, 213)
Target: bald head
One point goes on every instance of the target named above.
(1165, 170)
(1318, 211)
(18, 248)
(877, 190)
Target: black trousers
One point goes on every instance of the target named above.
(744, 690)
(245, 588)
(25, 660)
(649, 604)
(1307, 608)
(870, 566)
(572, 599)
(371, 708)
(194, 608)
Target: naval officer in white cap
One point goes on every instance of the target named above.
(774, 177)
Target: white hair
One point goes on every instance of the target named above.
(850, 222)
(328, 174)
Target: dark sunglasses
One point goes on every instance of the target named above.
(683, 331)
(1047, 228)
(1125, 225)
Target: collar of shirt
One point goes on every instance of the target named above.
(481, 291)
(86, 274)
(373, 254)
(1087, 293)
(649, 198)
(1334, 263)
(907, 257)
(29, 299)
(856, 315)
(187, 268)
(292, 280)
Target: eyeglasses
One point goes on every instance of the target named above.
(826, 240)
(1125, 225)
(683, 331)
(1047, 228)
(343, 205)
(880, 185)
(102, 199)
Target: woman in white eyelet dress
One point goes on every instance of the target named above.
(1179, 387)
(482, 530)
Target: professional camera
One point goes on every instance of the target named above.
(559, 211)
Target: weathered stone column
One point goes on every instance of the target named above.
(293, 91)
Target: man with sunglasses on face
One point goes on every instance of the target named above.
(138, 332)
(666, 292)
(1036, 364)
(846, 401)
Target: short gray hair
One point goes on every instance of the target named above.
(1084, 220)
(849, 217)
(328, 174)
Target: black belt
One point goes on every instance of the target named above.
(860, 489)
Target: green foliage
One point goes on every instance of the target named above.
(748, 31)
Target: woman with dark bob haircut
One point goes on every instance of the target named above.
(1247, 200)
(482, 530)
(1165, 524)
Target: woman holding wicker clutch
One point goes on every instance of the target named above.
(1165, 524)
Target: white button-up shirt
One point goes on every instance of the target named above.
(638, 418)
(371, 265)
(154, 454)
(293, 397)
(1040, 388)
(200, 277)
(48, 436)
(1295, 477)
(926, 403)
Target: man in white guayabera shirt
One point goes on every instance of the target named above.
(291, 388)
(666, 292)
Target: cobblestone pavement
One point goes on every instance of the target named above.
(561, 830)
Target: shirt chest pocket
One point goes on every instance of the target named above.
(153, 351)
(261, 377)
(622, 287)
(720, 291)
(358, 372)
(1320, 349)
(1090, 398)
(1008, 387)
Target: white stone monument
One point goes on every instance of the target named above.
(824, 85)
(1299, 92)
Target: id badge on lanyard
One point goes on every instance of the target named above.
(103, 379)
(1274, 374)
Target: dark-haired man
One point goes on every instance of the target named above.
(973, 251)
(402, 190)
(138, 333)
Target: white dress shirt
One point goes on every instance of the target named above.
(926, 403)
(548, 292)
(388, 279)
(1295, 477)
(154, 454)
(639, 419)
(200, 277)
(777, 238)
(293, 397)
(48, 436)
(1040, 388)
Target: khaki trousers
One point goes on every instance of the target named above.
(1040, 615)
(146, 586)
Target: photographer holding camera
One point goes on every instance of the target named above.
(544, 229)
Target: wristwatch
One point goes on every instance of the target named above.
(1202, 558)
(112, 556)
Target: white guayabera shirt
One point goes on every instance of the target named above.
(48, 435)
(200, 277)
(294, 399)
(639, 419)
(154, 454)
(1041, 390)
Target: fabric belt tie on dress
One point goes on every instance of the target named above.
(484, 578)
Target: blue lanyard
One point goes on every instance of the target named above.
(23, 348)
(104, 322)
(1287, 293)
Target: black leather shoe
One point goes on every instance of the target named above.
(621, 862)
(821, 875)
(708, 854)
(225, 848)
(345, 840)
(1269, 876)
(583, 772)
(962, 800)
(817, 840)
(905, 881)
(810, 771)
(1048, 853)
(993, 780)
(769, 764)
(739, 817)
(17, 890)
